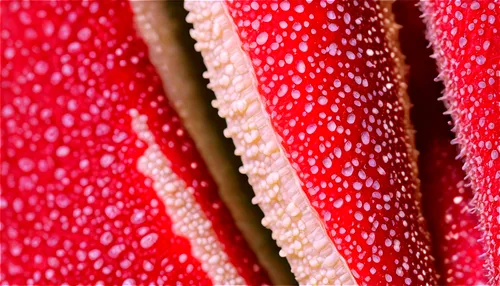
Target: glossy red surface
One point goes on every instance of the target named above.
(74, 206)
(446, 196)
(466, 40)
(328, 82)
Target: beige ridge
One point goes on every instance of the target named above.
(162, 26)
(186, 214)
(296, 226)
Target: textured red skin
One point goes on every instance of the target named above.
(55, 209)
(466, 40)
(446, 198)
(389, 213)
(454, 228)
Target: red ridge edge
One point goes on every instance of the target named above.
(466, 39)
(329, 85)
(446, 196)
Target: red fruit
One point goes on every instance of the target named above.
(100, 181)
(466, 40)
(314, 101)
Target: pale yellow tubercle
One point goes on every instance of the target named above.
(296, 226)
(162, 25)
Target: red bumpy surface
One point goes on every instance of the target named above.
(466, 40)
(446, 196)
(457, 243)
(74, 207)
(329, 84)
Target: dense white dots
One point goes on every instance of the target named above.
(486, 45)
(333, 27)
(348, 144)
(106, 238)
(471, 96)
(337, 152)
(111, 211)
(327, 216)
(297, 80)
(340, 122)
(68, 120)
(93, 211)
(297, 84)
(183, 258)
(129, 282)
(181, 205)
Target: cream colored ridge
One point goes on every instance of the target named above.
(296, 226)
(187, 217)
(161, 25)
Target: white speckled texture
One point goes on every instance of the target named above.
(161, 26)
(188, 218)
(295, 224)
